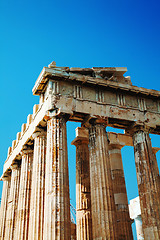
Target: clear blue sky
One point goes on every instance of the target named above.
(74, 33)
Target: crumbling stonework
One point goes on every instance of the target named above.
(35, 200)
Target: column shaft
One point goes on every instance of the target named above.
(148, 184)
(24, 196)
(4, 205)
(102, 198)
(12, 203)
(73, 231)
(123, 225)
(38, 188)
(57, 225)
(83, 198)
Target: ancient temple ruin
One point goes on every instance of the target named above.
(35, 200)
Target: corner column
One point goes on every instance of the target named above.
(24, 195)
(83, 198)
(57, 224)
(4, 204)
(102, 198)
(148, 184)
(12, 202)
(123, 224)
(38, 187)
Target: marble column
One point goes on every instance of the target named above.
(102, 198)
(57, 224)
(22, 220)
(83, 198)
(12, 202)
(4, 204)
(123, 221)
(148, 184)
(38, 187)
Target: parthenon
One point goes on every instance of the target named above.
(35, 201)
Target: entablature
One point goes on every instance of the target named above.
(86, 94)
(115, 79)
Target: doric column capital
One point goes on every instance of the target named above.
(15, 166)
(26, 151)
(137, 128)
(89, 122)
(6, 176)
(79, 141)
(115, 146)
(82, 136)
(62, 119)
(40, 133)
(57, 115)
(99, 121)
(155, 149)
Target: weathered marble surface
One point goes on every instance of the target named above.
(35, 200)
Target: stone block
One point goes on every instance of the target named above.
(82, 132)
(134, 208)
(120, 198)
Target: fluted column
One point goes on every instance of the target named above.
(123, 221)
(38, 187)
(148, 184)
(4, 204)
(83, 198)
(22, 220)
(57, 225)
(102, 198)
(12, 202)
